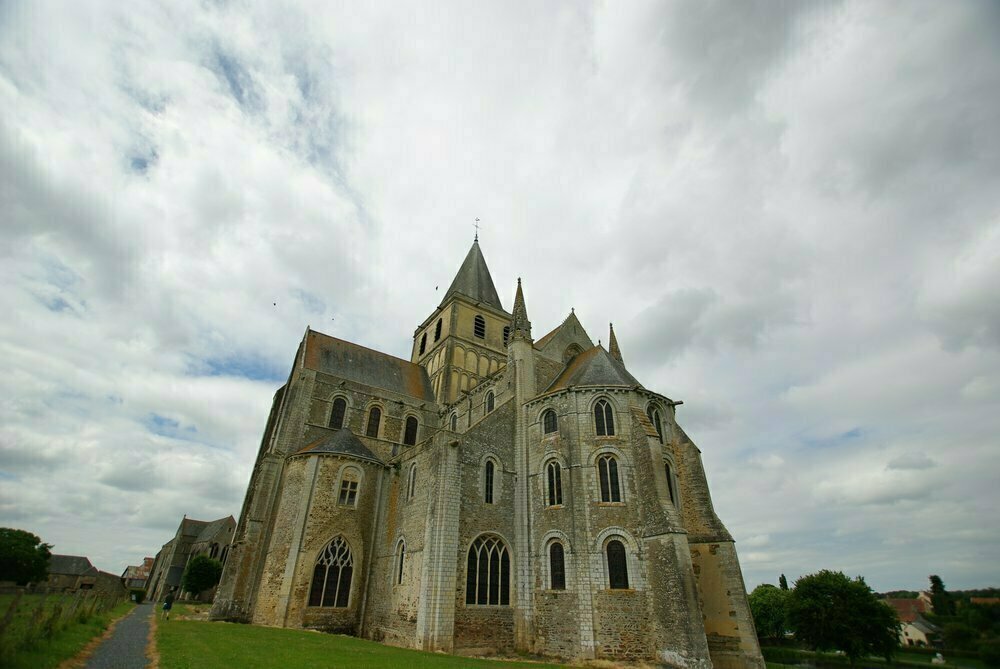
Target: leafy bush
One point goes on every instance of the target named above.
(990, 653)
(201, 573)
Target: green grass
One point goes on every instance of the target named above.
(188, 644)
(64, 644)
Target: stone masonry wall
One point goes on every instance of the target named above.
(486, 626)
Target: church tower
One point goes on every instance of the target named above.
(465, 339)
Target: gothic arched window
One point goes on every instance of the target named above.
(654, 418)
(557, 566)
(487, 579)
(479, 327)
(437, 330)
(331, 584)
(411, 484)
(604, 419)
(400, 557)
(454, 422)
(607, 469)
(374, 418)
(337, 413)
(488, 482)
(553, 473)
(549, 423)
(490, 401)
(410, 434)
(617, 565)
(423, 344)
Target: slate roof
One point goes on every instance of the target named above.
(212, 528)
(75, 565)
(474, 281)
(363, 365)
(593, 367)
(924, 626)
(341, 442)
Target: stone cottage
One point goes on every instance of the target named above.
(495, 492)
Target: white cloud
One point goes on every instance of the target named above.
(790, 213)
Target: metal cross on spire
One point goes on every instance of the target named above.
(476, 226)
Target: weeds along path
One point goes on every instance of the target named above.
(126, 647)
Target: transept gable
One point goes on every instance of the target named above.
(556, 343)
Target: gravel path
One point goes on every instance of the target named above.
(126, 647)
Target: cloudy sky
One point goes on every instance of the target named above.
(790, 211)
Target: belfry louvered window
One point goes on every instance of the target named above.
(337, 413)
(410, 434)
(549, 424)
(654, 418)
(487, 579)
(374, 418)
(479, 327)
(331, 584)
(557, 566)
(506, 335)
(604, 419)
(607, 471)
(437, 330)
(617, 565)
(423, 344)
(553, 473)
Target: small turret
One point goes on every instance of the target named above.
(520, 325)
(613, 349)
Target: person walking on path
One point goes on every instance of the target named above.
(126, 647)
(168, 604)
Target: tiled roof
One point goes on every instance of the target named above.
(363, 365)
(75, 565)
(907, 609)
(474, 281)
(341, 442)
(594, 367)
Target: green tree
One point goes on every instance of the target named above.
(940, 599)
(783, 582)
(201, 573)
(768, 606)
(23, 557)
(829, 611)
(959, 636)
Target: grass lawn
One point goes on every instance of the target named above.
(190, 644)
(63, 645)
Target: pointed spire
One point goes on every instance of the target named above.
(474, 281)
(613, 345)
(520, 325)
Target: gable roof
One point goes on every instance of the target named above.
(363, 365)
(474, 281)
(75, 565)
(908, 610)
(594, 367)
(570, 326)
(212, 528)
(341, 442)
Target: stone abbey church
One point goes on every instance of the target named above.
(496, 492)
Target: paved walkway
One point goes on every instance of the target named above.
(126, 647)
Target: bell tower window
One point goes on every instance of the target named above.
(479, 327)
